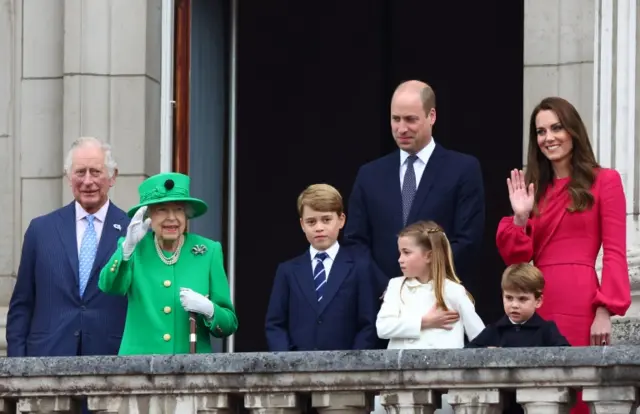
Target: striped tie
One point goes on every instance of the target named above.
(320, 275)
(408, 188)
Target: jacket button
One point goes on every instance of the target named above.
(167, 283)
(167, 309)
(319, 321)
(167, 337)
(76, 333)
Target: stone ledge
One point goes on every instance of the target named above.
(625, 331)
(325, 362)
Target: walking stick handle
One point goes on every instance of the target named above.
(193, 337)
(192, 333)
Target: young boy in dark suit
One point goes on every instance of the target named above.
(324, 299)
(521, 326)
(522, 287)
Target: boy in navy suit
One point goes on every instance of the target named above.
(521, 326)
(325, 298)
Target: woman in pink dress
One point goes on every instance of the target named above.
(565, 207)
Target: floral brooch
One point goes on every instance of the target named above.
(199, 249)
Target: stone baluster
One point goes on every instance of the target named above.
(409, 402)
(213, 404)
(337, 402)
(475, 401)
(546, 400)
(48, 405)
(7, 407)
(105, 404)
(274, 403)
(611, 400)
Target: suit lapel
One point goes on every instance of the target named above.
(338, 273)
(429, 176)
(66, 227)
(114, 227)
(303, 274)
(111, 231)
(390, 180)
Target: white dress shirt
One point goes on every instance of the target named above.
(328, 262)
(418, 165)
(82, 222)
(400, 316)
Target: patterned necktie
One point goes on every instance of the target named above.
(88, 249)
(320, 275)
(408, 188)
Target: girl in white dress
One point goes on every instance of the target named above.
(427, 307)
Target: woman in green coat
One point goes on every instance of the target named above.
(168, 273)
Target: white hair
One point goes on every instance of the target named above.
(109, 163)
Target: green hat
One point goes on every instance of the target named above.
(168, 188)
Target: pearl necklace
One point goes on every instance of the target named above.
(171, 260)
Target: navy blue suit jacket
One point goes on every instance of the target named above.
(450, 193)
(344, 320)
(47, 316)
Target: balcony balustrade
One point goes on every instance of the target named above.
(544, 381)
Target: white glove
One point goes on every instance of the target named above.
(137, 229)
(194, 302)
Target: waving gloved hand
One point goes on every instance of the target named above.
(194, 302)
(137, 229)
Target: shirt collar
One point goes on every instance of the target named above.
(331, 251)
(100, 215)
(535, 321)
(424, 154)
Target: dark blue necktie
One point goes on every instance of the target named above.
(408, 188)
(320, 274)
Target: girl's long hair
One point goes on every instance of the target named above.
(431, 237)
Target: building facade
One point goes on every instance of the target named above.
(74, 68)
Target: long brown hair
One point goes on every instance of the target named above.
(431, 237)
(583, 161)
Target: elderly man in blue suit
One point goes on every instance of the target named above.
(420, 181)
(56, 308)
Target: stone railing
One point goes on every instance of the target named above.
(544, 381)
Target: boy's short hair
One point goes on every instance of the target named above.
(321, 197)
(523, 277)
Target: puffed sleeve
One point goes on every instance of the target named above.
(515, 243)
(117, 274)
(615, 290)
(391, 323)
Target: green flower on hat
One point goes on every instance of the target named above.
(168, 188)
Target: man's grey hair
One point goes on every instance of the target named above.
(109, 163)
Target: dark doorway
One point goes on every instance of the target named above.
(314, 84)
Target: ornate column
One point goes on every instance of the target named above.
(48, 405)
(615, 135)
(611, 400)
(410, 402)
(346, 402)
(476, 401)
(274, 403)
(545, 400)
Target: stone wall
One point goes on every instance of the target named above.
(544, 380)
